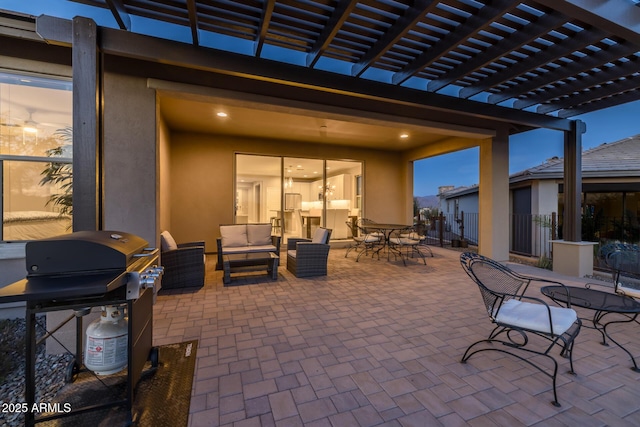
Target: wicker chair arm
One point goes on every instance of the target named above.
(292, 242)
(183, 256)
(191, 244)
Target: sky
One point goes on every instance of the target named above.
(526, 150)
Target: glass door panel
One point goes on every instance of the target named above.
(302, 196)
(258, 190)
(342, 195)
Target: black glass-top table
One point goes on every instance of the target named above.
(604, 304)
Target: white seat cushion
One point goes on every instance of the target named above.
(291, 253)
(243, 249)
(630, 292)
(535, 317)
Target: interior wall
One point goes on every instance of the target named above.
(202, 180)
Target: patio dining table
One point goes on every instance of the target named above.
(603, 304)
(387, 230)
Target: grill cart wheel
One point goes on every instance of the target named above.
(72, 371)
(154, 356)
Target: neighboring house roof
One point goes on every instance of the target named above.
(608, 160)
(459, 191)
(613, 159)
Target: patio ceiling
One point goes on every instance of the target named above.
(555, 58)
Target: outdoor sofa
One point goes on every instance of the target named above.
(245, 238)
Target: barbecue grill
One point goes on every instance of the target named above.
(86, 269)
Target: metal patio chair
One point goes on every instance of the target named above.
(519, 319)
(404, 244)
(623, 260)
(363, 242)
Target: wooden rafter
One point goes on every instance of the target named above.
(411, 17)
(330, 29)
(518, 39)
(267, 11)
(553, 54)
(120, 14)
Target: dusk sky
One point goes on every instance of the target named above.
(459, 169)
(526, 149)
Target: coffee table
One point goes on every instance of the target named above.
(603, 303)
(232, 263)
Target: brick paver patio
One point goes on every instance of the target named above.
(378, 344)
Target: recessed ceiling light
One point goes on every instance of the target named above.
(221, 114)
(404, 135)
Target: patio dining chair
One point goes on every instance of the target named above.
(520, 319)
(422, 241)
(405, 245)
(364, 242)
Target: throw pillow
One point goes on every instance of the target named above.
(167, 242)
(320, 236)
(259, 234)
(233, 235)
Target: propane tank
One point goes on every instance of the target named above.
(106, 344)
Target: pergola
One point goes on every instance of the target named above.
(525, 64)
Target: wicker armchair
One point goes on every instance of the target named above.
(184, 264)
(308, 257)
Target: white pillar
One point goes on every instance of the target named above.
(494, 197)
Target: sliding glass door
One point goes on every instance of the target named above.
(297, 195)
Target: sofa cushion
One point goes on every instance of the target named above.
(234, 235)
(259, 234)
(320, 236)
(244, 249)
(167, 242)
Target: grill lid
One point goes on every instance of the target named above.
(82, 252)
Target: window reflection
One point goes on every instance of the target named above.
(35, 156)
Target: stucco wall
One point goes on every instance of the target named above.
(164, 173)
(130, 157)
(202, 180)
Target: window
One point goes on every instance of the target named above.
(35, 156)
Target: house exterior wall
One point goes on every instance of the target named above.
(202, 180)
(130, 153)
(544, 197)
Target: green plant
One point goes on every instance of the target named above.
(60, 174)
(545, 262)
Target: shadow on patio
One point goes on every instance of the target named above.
(375, 343)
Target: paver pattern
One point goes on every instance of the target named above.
(375, 343)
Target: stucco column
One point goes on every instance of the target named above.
(493, 200)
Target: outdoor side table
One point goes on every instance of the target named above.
(603, 303)
(232, 263)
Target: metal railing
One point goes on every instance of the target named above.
(530, 235)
